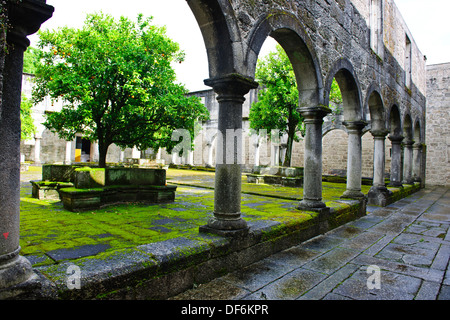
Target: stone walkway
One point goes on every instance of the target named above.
(400, 252)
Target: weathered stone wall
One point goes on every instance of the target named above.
(438, 129)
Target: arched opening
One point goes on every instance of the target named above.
(417, 152)
(342, 72)
(395, 126)
(376, 112)
(408, 150)
(298, 82)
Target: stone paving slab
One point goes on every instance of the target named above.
(408, 241)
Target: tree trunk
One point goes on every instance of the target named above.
(102, 151)
(288, 157)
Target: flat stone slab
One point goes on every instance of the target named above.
(77, 252)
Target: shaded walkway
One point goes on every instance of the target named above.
(409, 241)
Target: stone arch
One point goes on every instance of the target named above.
(349, 85)
(221, 35)
(290, 33)
(394, 121)
(375, 108)
(408, 127)
(417, 131)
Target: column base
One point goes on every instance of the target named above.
(379, 196)
(353, 194)
(395, 184)
(19, 281)
(311, 205)
(226, 227)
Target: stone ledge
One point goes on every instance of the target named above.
(163, 269)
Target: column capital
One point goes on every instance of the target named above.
(408, 143)
(231, 86)
(25, 18)
(314, 113)
(417, 146)
(396, 138)
(381, 134)
(355, 125)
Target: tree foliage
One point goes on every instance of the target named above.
(117, 83)
(27, 122)
(276, 108)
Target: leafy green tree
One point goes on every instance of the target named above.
(117, 82)
(336, 99)
(276, 108)
(27, 122)
(30, 60)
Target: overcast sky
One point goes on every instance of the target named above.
(427, 20)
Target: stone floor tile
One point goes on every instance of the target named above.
(257, 275)
(215, 290)
(428, 291)
(332, 260)
(393, 286)
(290, 286)
(327, 285)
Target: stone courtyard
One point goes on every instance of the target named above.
(226, 238)
(115, 246)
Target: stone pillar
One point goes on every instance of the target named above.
(417, 162)
(227, 218)
(354, 160)
(378, 193)
(135, 153)
(16, 273)
(37, 148)
(396, 160)
(256, 143)
(408, 162)
(312, 179)
(68, 157)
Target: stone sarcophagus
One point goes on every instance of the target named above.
(89, 188)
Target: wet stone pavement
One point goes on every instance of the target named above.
(400, 252)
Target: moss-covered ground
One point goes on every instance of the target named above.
(47, 227)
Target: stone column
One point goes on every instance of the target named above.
(37, 148)
(256, 143)
(396, 160)
(378, 193)
(227, 218)
(417, 162)
(312, 179)
(16, 273)
(68, 157)
(354, 160)
(408, 162)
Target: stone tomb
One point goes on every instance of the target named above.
(89, 188)
(285, 176)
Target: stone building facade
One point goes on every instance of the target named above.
(363, 44)
(438, 128)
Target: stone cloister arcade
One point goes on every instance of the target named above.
(357, 42)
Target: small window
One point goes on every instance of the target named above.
(376, 26)
(408, 62)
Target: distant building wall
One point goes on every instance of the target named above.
(438, 125)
